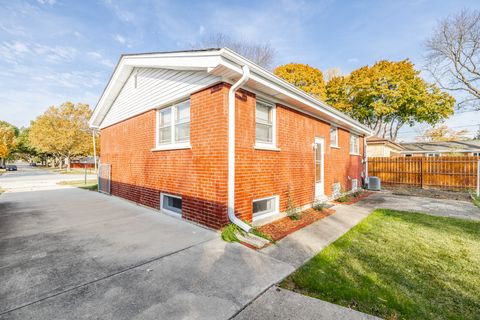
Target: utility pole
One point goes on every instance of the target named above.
(94, 150)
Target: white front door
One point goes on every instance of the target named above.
(319, 168)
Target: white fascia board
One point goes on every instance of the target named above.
(258, 74)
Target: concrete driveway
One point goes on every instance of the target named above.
(67, 253)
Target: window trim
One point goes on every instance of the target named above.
(356, 184)
(167, 211)
(262, 145)
(172, 145)
(275, 211)
(336, 137)
(358, 144)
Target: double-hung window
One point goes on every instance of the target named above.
(354, 144)
(173, 126)
(334, 137)
(265, 125)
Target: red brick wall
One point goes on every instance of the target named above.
(199, 174)
(262, 173)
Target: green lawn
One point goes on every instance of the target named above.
(399, 265)
(90, 185)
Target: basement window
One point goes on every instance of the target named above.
(265, 207)
(171, 204)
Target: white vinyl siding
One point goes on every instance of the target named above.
(154, 88)
(354, 144)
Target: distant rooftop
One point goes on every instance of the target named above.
(442, 146)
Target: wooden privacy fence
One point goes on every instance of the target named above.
(454, 173)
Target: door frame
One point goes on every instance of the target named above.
(319, 187)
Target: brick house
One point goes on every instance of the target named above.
(213, 138)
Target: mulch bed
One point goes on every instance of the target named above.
(353, 200)
(283, 227)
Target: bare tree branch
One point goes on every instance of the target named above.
(453, 55)
(261, 54)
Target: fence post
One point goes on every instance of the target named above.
(421, 172)
(478, 178)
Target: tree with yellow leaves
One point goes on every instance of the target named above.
(442, 133)
(63, 131)
(389, 95)
(8, 140)
(303, 76)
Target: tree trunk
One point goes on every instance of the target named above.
(67, 159)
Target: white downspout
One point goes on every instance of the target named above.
(231, 150)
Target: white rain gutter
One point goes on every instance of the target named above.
(231, 149)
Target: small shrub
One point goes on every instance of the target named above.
(356, 193)
(344, 198)
(319, 206)
(229, 233)
(292, 211)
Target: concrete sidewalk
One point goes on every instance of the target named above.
(301, 246)
(278, 303)
(436, 207)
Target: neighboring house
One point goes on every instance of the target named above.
(441, 148)
(212, 137)
(381, 147)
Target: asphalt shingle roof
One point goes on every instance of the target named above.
(442, 145)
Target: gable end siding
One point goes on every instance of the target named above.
(154, 88)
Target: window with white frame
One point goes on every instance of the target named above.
(354, 144)
(264, 124)
(433, 154)
(336, 189)
(173, 125)
(171, 204)
(264, 207)
(333, 136)
(354, 184)
(476, 154)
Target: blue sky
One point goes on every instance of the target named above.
(57, 50)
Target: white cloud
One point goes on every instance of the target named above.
(119, 38)
(94, 55)
(99, 58)
(49, 2)
(14, 30)
(56, 53)
(352, 60)
(122, 15)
